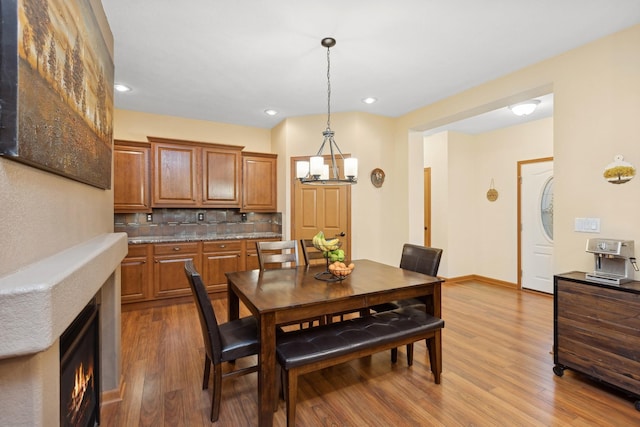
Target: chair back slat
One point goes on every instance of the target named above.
(309, 252)
(421, 259)
(278, 254)
(208, 321)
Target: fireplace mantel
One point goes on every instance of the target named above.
(38, 302)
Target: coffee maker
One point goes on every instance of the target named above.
(613, 261)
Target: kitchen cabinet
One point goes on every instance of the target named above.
(218, 258)
(259, 178)
(169, 278)
(191, 174)
(131, 177)
(597, 331)
(135, 277)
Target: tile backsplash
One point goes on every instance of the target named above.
(184, 222)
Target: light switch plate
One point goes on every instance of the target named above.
(587, 225)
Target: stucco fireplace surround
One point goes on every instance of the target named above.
(37, 304)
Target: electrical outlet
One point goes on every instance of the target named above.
(200, 216)
(149, 217)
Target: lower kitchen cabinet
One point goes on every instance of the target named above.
(169, 279)
(153, 274)
(218, 258)
(136, 274)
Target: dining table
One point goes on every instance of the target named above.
(287, 295)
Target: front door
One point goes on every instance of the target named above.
(324, 208)
(536, 219)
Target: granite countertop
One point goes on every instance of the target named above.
(205, 237)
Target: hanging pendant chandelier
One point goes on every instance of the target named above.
(315, 171)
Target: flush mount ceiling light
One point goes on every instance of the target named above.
(524, 108)
(369, 100)
(270, 112)
(121, 88)
(315, 171)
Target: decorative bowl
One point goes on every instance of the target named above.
(340, 270)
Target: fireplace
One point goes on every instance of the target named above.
(79, 370)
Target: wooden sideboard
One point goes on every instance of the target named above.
(597, 331)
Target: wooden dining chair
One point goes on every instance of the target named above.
(279, 254)
(311, 254)
(224, 342)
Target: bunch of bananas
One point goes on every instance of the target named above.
(321, 244)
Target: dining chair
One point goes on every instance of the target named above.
(278, 254)
(310, 253)
(224, 342)
(421, 259)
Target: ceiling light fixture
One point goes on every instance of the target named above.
(524, 108)
(121, 88)
(270, 112)
(369, 100)
(315, 171)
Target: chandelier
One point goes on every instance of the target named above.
(315, 171)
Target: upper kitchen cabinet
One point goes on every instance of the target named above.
(259, 178)
(191, 174)
(131, 177)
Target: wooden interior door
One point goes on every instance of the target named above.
(427, 206)
(321, 207)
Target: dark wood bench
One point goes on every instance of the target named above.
(302, 351)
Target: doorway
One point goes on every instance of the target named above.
(535, 219)
(427, 207)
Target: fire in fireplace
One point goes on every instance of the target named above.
(79, 369)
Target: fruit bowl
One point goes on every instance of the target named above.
(341, 270)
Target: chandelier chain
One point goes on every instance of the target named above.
(328, 89)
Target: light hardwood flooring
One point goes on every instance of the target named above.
(497, 371)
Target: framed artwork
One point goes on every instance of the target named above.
(56, 90)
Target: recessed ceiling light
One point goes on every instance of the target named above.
(270, 112)
(121, 88)
(369, 100)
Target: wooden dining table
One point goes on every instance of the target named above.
(284, 296)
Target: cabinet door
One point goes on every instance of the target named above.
(135, 281)
(220, 178)
(219, 258)
(175, 175)
(168, 268)
(131, 178)
(259, 189)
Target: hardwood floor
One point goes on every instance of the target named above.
(497, 371)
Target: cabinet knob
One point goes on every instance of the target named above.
(177, 248)
(223, 246)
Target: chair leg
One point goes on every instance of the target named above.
(216, 392)
(207, 371)
(435, 355)
(394, 355)
(410, 354)
(291, 392)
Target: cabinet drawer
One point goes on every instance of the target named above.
(137, 251)
(175, 248)
(222, 245)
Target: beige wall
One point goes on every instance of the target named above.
(464, 223)
(596, 106)
(136, 126)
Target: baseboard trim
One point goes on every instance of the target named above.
(483, 279)
(112, 396)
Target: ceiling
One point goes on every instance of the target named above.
(229, 61)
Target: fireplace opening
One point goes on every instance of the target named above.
(80, 369)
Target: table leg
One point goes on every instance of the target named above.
(233, 304)
(267, 372)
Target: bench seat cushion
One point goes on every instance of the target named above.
(324, 342)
